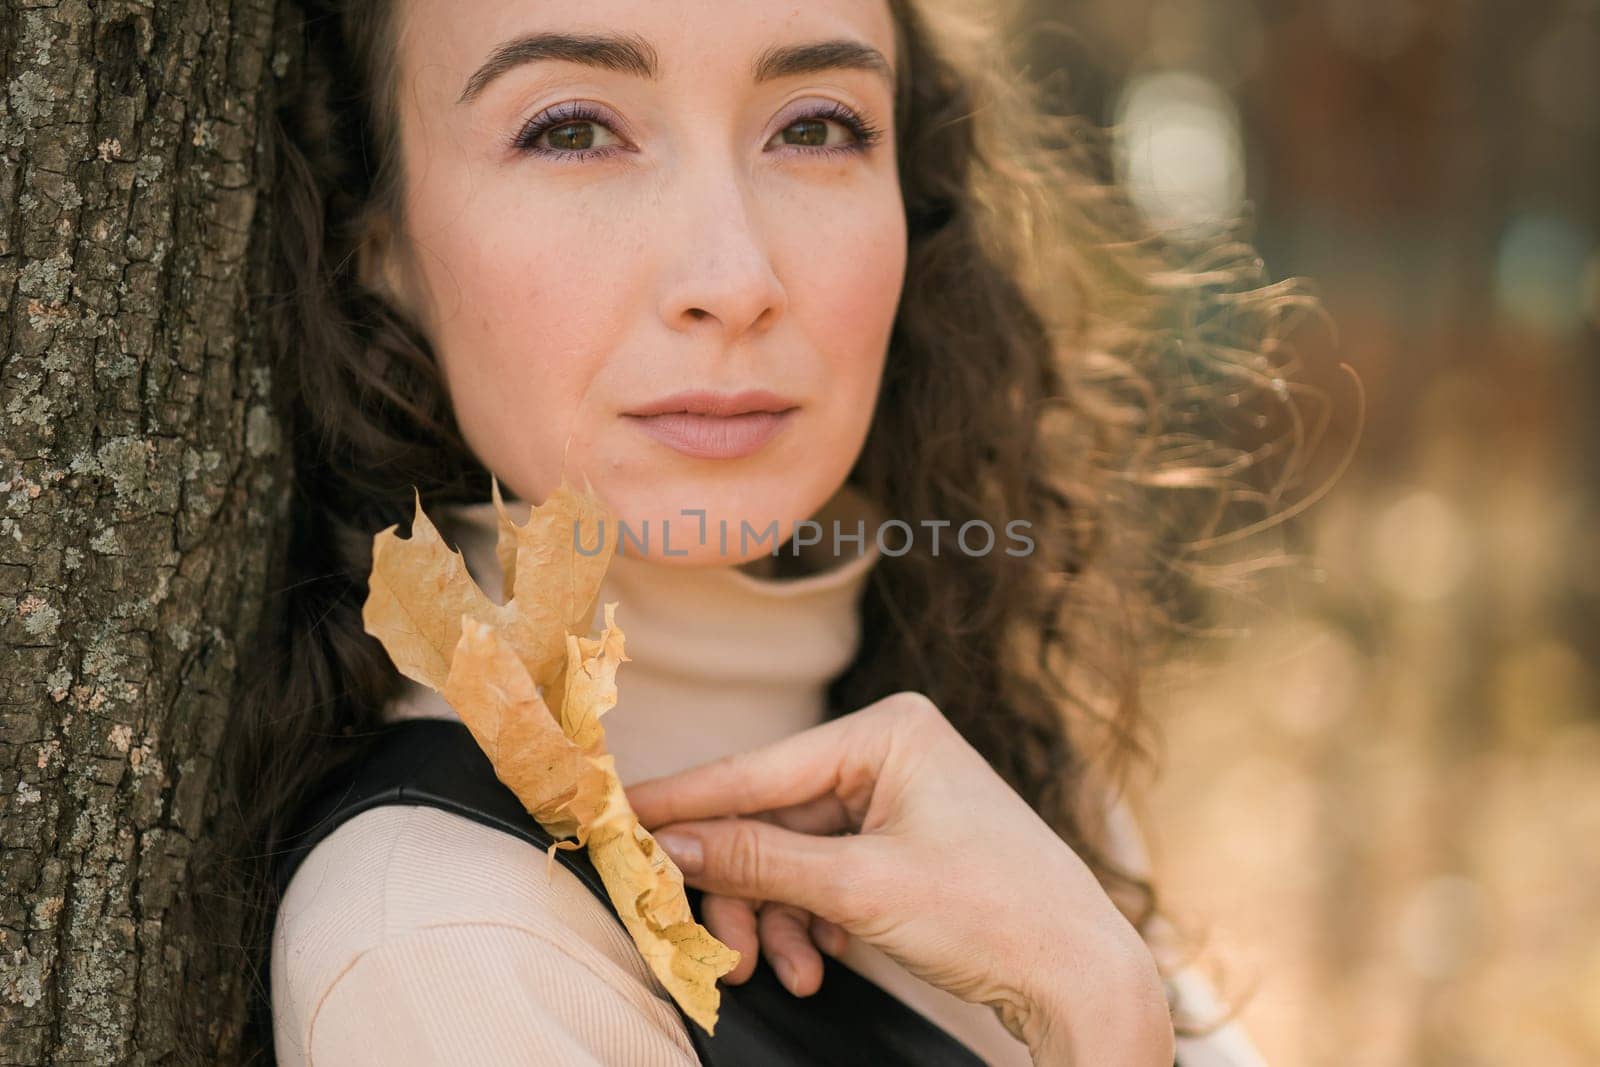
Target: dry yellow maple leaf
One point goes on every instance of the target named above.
(531, 686)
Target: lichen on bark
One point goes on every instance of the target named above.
(142, 478)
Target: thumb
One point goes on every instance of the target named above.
(758, 860)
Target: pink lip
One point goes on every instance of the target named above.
(706, 402)
(715, 436)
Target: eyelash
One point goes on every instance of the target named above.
(526, 139)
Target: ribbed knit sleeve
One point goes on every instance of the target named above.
(482, 994)
(414, 936)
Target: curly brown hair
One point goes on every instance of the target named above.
(1052, 361)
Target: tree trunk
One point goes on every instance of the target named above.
(142, 481)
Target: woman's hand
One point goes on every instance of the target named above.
(934, 860)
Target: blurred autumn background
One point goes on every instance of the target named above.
(1380, 788)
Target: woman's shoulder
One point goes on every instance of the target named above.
(409, 929)
(396, 869)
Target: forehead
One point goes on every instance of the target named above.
(443, 42)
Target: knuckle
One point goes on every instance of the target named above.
(743, 861)
(915, 711)
(778, 917)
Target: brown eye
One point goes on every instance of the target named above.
(567, 131)
(808, 132)
(830, 129)
(573, 136)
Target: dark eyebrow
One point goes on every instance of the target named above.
(631, 54)
(626, 54)
(789, 60)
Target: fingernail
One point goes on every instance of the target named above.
(785, 973)
(683, 848)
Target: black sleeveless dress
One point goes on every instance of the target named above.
(849, 1022)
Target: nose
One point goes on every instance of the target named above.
(720, 274)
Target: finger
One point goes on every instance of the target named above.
(824, 815)
(732, 920)
(786, 942)
(830, 937)
(839, 757)
(757, 860)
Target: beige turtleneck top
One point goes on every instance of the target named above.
(411, 936)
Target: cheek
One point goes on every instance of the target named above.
(526, 297)
(536, 290)
(844, 285)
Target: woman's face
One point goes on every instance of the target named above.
(611, 202)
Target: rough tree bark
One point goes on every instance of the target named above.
(141, 481)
